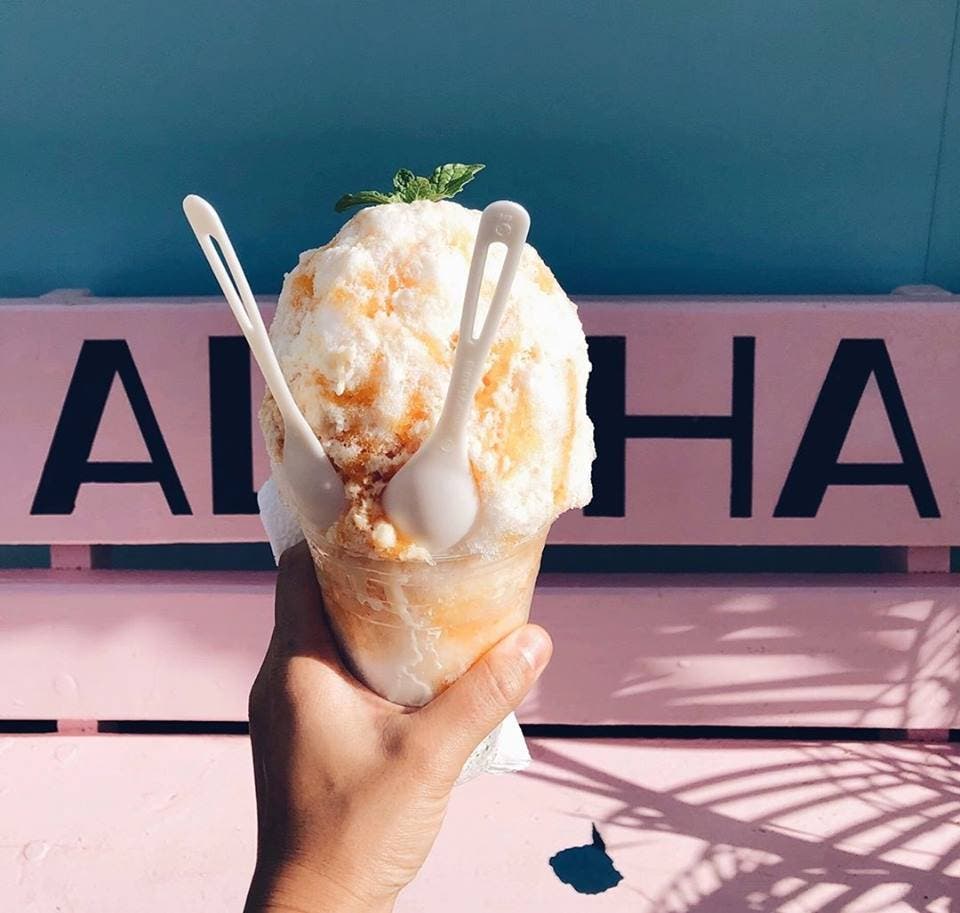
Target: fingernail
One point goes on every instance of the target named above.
(534, 646)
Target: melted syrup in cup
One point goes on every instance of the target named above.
(408, 629)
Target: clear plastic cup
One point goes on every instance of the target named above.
(410, 628)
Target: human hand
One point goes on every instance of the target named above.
(351, 789)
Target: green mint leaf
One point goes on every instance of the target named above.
(445, 182)
(364, 198)
(417, 189)
(450, 179)
(402, 178)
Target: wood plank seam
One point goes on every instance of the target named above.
(71, 557)
(76, 727)
(928, 559)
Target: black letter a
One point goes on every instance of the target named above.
(68, 465)
(816, 465)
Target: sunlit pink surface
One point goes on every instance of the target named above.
(110, 824)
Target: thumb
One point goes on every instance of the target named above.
(457, 720)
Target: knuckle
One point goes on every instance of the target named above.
(504, 684)
(254, 698)
(257, 695)
(293, 685)
(293, 557)
(260, 689)
(286, 559)
(279, 684)
(289, 556)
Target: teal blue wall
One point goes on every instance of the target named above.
(661, 146)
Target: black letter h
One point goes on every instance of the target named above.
(606, 403)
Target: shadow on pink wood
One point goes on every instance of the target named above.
(803, 827)
(113, 824)
(855, 651)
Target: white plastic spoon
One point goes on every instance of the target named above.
(433, 498)
(308, 473)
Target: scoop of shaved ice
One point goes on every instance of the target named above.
(365, 332)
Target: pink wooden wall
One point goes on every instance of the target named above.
(679, 361)
(103, 823)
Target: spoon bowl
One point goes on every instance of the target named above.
(306, 474)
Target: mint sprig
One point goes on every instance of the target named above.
(445, 182)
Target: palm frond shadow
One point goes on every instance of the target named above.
(848, 828)
(734, 656)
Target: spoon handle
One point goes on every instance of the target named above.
(207, 227)
(502, 222)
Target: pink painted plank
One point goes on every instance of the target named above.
(678, 357)
(851, 650)
(167, 823)
(178, 645)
